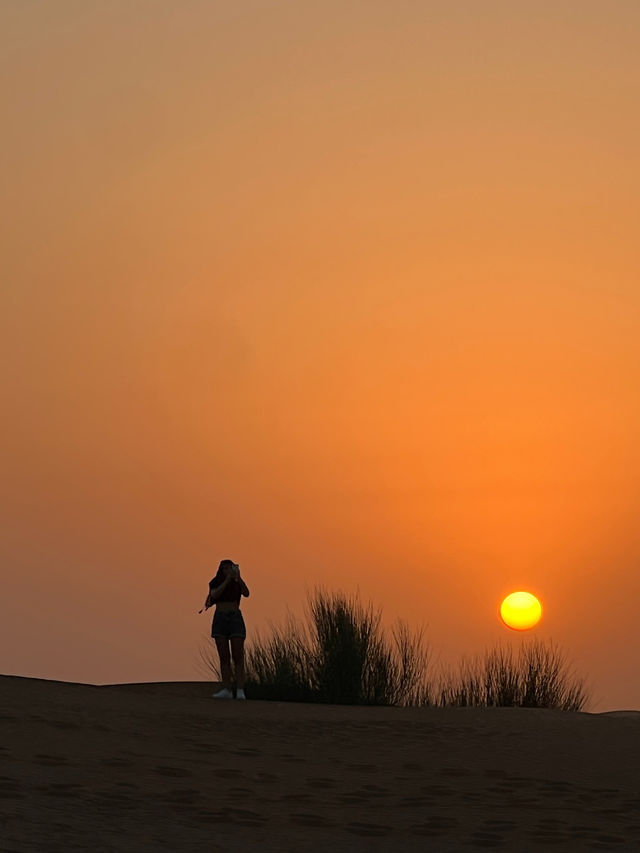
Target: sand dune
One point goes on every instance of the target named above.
(164, 767)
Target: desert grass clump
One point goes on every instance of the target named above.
(339, 654)
(539, 676)
(411, 679)
(350, 661)
(279, 665)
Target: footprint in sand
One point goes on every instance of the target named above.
(375, 790)
(182, 796)
(60, 789)
(177, 772)
(266, 777)
(455, 772)
(50, 760)
(295, 759)
(486, 839)
(309, 819)
(434, 827)
(62, 724)
(525, 802)
(520, 781)
(630, 809)
(609, 839)
(119, 801)
(412, 802)
(368, 829)
(243, 817)
(228, 772)
(363, 768)
(355, 798)
(553, 789)
(496, 774)
(297, 798)
(10, 788)
(586, 798)
(437, 790)
(500, 825)
(501, 788)
(548, 837)
(470, 798)
(321, 782)
(117, 762)
(425, 830)
(440, 822)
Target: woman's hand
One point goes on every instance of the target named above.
(233, 572)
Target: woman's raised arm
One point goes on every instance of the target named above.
(214, 591)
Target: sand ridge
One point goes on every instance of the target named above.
(164, 766)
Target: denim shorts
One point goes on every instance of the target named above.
(227, 624)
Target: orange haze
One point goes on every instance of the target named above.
(345, 292)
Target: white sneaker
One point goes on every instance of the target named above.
(240, 693)
(223, 694)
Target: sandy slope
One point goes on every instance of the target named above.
(164, 767)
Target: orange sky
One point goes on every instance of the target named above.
(345, 292)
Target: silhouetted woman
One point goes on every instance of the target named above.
(225, 591)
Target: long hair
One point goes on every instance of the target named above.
(224, 564)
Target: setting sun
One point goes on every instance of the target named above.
(520, 611)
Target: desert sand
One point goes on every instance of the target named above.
(165, 767)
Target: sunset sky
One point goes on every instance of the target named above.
(347, 292)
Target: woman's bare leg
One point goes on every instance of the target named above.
(237, 650)
(222, 644)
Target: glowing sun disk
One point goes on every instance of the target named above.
(520, 611)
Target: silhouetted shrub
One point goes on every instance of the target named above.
(350, 662)
(337, 654)
(538, 677)
(279, 666)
